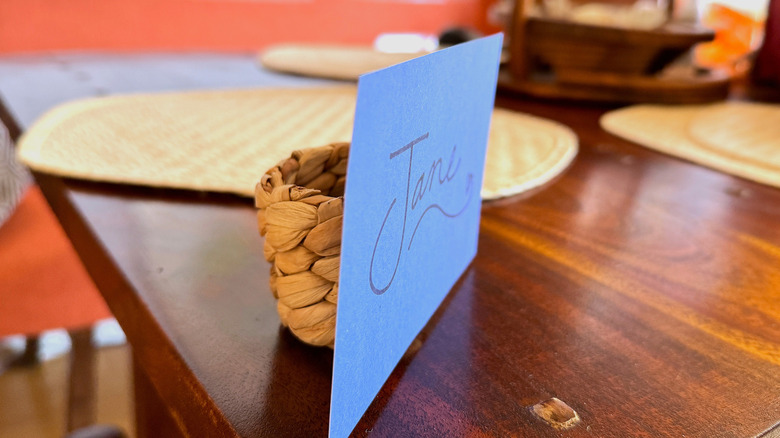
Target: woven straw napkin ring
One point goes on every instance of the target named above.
(301, 206)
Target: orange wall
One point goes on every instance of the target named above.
(224, 25)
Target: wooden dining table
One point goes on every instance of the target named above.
(637, 290)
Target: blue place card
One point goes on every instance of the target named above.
(412, 208)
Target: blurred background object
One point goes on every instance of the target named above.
(765, 77)
(14, 178)
(44, 287)
(739, 28)
(616, 51)
(640, 14)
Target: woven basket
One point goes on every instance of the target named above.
(300, 203)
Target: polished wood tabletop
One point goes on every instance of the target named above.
(640, 290)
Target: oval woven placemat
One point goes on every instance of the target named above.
(738, 138)
(222, 141)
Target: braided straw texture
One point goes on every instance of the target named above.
(218, 140)
(201, 140)
(301, 206)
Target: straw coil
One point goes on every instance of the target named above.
(300, 202)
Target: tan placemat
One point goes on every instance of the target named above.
(332, 62)
(738, 138)
(223, 141)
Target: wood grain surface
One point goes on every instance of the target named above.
(640, 290)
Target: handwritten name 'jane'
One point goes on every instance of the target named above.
(422, 187)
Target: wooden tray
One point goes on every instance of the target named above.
(561, 59)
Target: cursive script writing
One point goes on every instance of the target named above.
(424, 185)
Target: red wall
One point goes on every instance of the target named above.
(224, 25)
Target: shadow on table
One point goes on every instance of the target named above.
(298, 394)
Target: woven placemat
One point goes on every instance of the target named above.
(332, 62)
(738, 138)
(223, 141)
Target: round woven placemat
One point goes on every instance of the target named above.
(332, 62)
(738, 138)
(222, 141)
